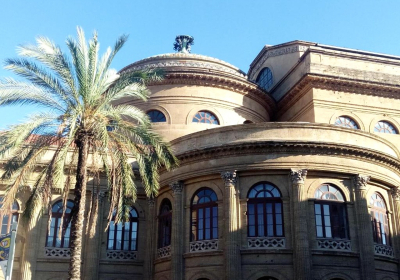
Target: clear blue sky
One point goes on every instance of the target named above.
(234, 31)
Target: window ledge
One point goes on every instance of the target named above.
(203, 254)
(334, 244)
(266, 242)
(164, 252)
(121, 255)
(55, 252)
(204, 245)
(383, 250)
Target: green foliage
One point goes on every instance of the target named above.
(78, 95)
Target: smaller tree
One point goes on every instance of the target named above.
(81, 128)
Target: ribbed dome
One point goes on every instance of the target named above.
(180, 61)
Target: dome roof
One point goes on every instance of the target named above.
(186, 61)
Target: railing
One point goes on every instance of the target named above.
(266, 242)
(204, 245)
(164, 252)
(383, 250)
(55, 252)
(334, 244)
(121, 255)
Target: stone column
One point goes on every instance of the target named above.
(396, 223)
(148, 272)
(364, 228)
(301, 246)
(177, 238)
(231, 234)
(28, 263)
(92, 250)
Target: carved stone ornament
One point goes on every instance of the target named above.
(396, 193)
(229, 177)
(298, 176)
(150, 201)
(360, 182)
(177, 186)
(183, 43)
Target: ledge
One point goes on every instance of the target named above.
(202, 254)
(264, 251)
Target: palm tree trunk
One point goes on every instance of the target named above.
(78, 212)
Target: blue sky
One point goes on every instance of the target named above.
(234, 31)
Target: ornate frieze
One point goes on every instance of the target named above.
(121, 255)
(229, 177)
(150, 201)
(298, 176)
(204, 245)
(177, 186)
(334, 244)
(383, 250)
(164, 252)
(57, 252)
(396, 193)
(266, 242)
(360, 182)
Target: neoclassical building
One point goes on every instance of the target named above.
(289, 171)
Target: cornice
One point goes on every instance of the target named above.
(240, 86)
(310, 81)
(294, 148)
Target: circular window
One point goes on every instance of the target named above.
(156, 116)
(385, 127)
(345, 121)
(205, 117)
(265, 78)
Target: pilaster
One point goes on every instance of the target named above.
(365, 234)
(177, 239)
(395, 192)
(301, 246)
(150, 240)
(231, 234)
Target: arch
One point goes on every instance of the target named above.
(315, 184)
(204, 274)
(351, 115)
(385, 127)
(264, 211)
(205, 116)
(156, 116)
(161, 109)
(58, 217)
(385, 118)
(330, 213)
(204, 215)
(265, 78)
(259, 273)
(336, 275)
(123, 236)
(197, 108)
(346, 121)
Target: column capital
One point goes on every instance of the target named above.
(176, 187)
(298, 175)
(360, 182)
(229, 177)
(396, 193)
(150, 201)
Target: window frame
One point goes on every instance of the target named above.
(157, 116)
(164, 224)
(66, 231)
(265, 78)
(208, 115)
(114, 228)
(10, 217)
(387, 126)
(213, 215)
(377, 226)
(255, 201)
(339, 229)
(348, 119)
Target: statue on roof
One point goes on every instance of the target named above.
(183, 43)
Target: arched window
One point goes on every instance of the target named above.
(205, 117)
(204, 217)
(330, 213)
(123, 236)
(379, 219)
(53, 235)
(264, 211)
(164, 224)
(265, 78)
(156, 116)
(385, 127)
(7, 219)
(345, 121)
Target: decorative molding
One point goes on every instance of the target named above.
(266, 242)
(54, 252)
(164, 252)
(383, 250)
(335, 84)
(298, 176)
(204, 245)
(334, 244)
(151, 201)
(121, 255)
(360, 182)
(229, 178)
(395, 193)
(177, 187)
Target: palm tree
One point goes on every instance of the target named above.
(87, 133)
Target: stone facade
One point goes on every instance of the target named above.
(271, 190)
